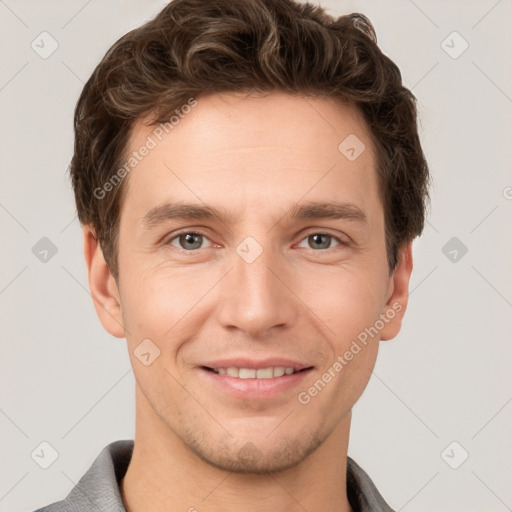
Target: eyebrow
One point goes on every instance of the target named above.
(306, 211)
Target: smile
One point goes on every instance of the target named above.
(252, 373)
(242, 383)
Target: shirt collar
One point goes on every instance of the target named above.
(98, 490)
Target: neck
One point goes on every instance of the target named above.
(164, 475)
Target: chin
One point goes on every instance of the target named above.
(257, 457)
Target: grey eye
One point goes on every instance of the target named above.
(189, 241)
(319, 240)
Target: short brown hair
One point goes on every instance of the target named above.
(195, 47)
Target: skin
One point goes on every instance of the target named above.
(254, 156)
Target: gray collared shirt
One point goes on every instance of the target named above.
(98, 490)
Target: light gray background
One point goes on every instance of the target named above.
(445, 378)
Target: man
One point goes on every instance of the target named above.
(249, 179)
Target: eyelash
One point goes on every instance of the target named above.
(192, 251)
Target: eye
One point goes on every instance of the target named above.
(322, 241)
(188, 241)
(191, 241)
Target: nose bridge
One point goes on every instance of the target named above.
(255, 299)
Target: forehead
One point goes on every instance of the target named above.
(255, 152)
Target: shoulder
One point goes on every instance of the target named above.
(98, 489)
(362, 493)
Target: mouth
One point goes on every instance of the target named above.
(256, 373)
(260, 383)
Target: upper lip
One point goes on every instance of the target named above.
(254, 364)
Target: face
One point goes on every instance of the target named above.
(253, 279)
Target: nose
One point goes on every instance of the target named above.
(256, 297)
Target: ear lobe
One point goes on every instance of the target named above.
(396, 304)
(103, 287)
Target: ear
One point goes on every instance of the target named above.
(398, 294)
(103, 286)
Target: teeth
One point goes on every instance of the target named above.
(245, 373)
(265, 373)
(250, 373)
(232, 372)
(280, 371)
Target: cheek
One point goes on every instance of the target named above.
(349, 306)
(169, 305)
(158, 306)
(160, 301)
(346, 299)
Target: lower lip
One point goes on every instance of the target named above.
(256, 389)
